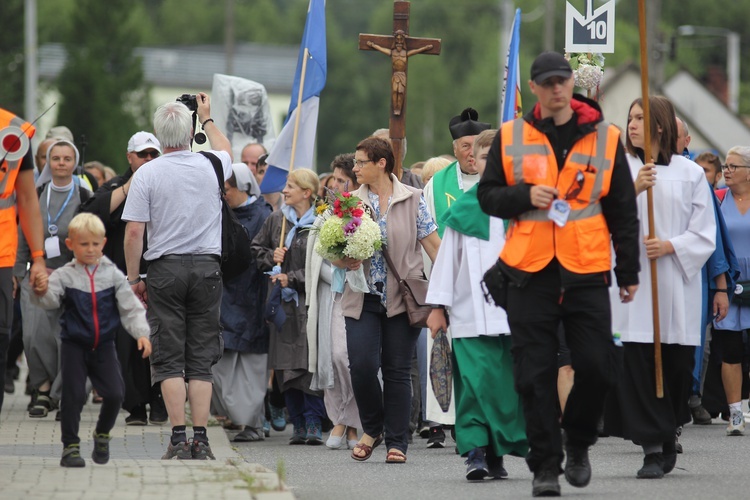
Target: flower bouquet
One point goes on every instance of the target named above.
(347, 231)
(588, 70)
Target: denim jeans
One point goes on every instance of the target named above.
(303, 407)
(375, 342)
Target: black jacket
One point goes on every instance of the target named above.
(619, 208)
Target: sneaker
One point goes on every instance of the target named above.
(100, 454)
(476, 465)
(266, 427)
(71, 457)
(496, 468)
(181, 451)
(278, 421)
(577, 466)
(299, 435)
(437, 437)
(137, 416)
(314, 432)
(736, 425)
(424, 432)
(201, 451)
(653, 467)
(545, 484)
(700, 416)
(42, 407)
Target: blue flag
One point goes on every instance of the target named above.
(280, 157)
(511, 97)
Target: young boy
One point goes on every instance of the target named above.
(489, 418)
(95, 297)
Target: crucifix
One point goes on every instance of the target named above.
(399, 48)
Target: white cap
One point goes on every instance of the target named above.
(143, 140)
(245, 179)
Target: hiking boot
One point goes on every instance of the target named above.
(736, 425)
(71, 457)
(278, 421)
(545, 484)
(181, 451)
(496, 468)
(314, 432)
(653, 467)
(577, 466)
(202, 451)
(437, 437)
(41, 408)
(100, 454)
(476, 465)
(700, 416)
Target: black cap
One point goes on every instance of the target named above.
(548, 64)
(466, 124)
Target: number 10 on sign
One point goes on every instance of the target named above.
(590, 32)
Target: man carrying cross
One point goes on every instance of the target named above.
(560, 174)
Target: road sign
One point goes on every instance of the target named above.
(593, 32)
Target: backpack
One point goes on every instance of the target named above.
(235, 242)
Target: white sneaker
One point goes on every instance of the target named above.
(736, 425)
(747, 416)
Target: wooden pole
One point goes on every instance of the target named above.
(648, 158)
(305, 56)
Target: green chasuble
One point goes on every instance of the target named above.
(445, 192)
(466, 217)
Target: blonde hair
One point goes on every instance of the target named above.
(484, 139)
(433, 166)
(86, 223)
(305, 179)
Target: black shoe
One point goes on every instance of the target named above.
(677, 445)
(669, 454)
(41, 407)
(577, 466)
(495, 466)
(58, 416)
(137, 416)
(437, 437)
(545, 484)
(100, 454)
(71, 457)
(476, 465)
(10, 386)
(158, 414)
(700, 416)
(653, 467)
(424, 432)
(32, 401)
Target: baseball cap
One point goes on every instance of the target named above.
(549, 64)
(245, 179)
(143, 140)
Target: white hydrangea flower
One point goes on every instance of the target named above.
(588, 76)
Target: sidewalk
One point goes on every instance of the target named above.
(30, 450)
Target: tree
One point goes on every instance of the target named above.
(12, 57)
(102, 92)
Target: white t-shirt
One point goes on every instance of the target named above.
(177, 196)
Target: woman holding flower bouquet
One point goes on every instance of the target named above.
(286, 304)
(377, 327)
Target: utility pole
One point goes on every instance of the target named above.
(549, 25)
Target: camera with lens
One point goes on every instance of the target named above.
(189, 101)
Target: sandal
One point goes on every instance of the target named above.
(395, 457)
(361, 447)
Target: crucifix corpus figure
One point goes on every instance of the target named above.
(399, 48)
(399, 55)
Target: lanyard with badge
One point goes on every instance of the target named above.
(52, 244)
(559, 211)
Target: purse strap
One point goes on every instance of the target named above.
(390, 263)
(218, 170)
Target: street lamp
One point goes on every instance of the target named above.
(733, 57)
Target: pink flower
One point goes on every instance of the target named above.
(346, 194)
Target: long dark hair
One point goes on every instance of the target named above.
(662, 117)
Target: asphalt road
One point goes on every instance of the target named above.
(712, 466)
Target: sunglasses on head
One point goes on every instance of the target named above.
(149, 152)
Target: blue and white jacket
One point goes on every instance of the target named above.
(94, 303)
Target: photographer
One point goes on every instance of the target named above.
(184, 278)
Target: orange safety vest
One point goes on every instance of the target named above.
(583, 244)
(8, 174)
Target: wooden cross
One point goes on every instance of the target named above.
(399, 48)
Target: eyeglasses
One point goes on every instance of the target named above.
(732, 168)
(362, 163)
(150, 152)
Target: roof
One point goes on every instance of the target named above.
(194, 66)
